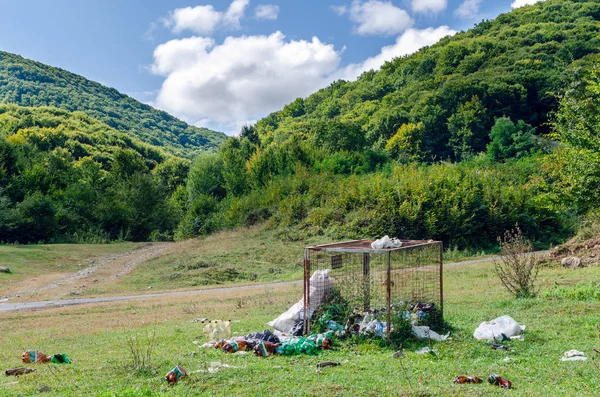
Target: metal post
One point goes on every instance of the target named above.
(366, 281)
(306, 327)
(442, 279)
(389, 296)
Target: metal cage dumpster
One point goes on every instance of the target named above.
(377, 278)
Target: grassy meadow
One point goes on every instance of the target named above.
(95, 338)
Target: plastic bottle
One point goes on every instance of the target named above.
(235, 346)
(175, 374)
(34, 356)
(308, 347)
(287, 349)
(461, 379)
(265, 349)
(497, 380)
(60, 359)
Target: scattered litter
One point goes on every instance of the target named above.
(398, 354)
(386, 242)
(517, 337)
(425, 332)
(508, 359)
(497, 380)
(19, 371)
(4, 269)
(426, 350)
(34, 356)
(216, 330)
(60, 359)
(320, 286)
(175, 375)
(496, 346)
(501, 328)
(574, 355)
(198, 320)
(208, 345)
(265, 349)
(214, 367)
(327, 364)
(461, 379)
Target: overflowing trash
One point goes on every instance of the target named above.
(574, 355)
(497, 380)
(461, 379)
(499, 329)
(19, 371)
(292, 319)
(174, 375)
(386, 242)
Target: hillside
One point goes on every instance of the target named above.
(65, 176)
(453, 91)
(450, 143)
(29, 83)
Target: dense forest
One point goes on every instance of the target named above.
(65, 176)
(29, 83)
(458, 142)
(496, 126)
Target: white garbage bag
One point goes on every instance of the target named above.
(424, 332)
(320, 286)
(386, 242)
(501, 328)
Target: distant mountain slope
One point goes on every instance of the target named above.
(448, 96)
(29, 83)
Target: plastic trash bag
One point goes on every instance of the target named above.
(386, 242)
(424, 332)
(501, 328)
(320, 285)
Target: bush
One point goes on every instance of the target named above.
(517, 269)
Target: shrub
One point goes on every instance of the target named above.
(517, 269)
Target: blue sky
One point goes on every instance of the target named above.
(222, 63)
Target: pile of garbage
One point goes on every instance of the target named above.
(267, 343)
(36, 357)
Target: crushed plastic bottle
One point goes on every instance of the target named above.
(34, 356)
(461, 379)
(497, 380)
(19, 371)
(265, 349)
(60, 359)
(175, 375)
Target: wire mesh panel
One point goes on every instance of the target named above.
(370, 279)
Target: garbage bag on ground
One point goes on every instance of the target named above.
(256, 338)
(320, 286)
(386, 242)
(499, 329)
(424, 332)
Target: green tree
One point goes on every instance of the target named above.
(510, 140)
(467, 128)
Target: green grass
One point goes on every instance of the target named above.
(95, 339)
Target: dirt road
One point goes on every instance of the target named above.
(147, 253)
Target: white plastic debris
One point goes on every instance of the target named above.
(424, 332)
(573, 355)
(508, 359)
(215, 366)
(499, 329)
(216, 330)
(425, 350)
(320, 285)
(386, 242)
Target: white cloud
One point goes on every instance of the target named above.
(469, 9)
(268, 12)
(205, 19)
(409, 42)
(244, 78)
(235, 12)
(339, 10)
(429, 6)
(375, 17)
(522, 3)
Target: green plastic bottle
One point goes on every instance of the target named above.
(308, 347)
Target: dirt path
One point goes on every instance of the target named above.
(148, 252)
(102, 270)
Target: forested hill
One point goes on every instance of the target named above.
(447, 96)
(29, 83)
